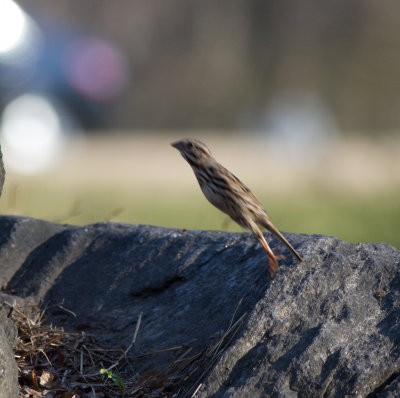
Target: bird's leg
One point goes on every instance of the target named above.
(272, 259)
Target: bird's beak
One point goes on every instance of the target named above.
(177, 145)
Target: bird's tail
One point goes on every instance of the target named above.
(271, 228)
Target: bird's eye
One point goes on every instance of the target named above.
(191, 145)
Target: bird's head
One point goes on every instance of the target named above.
(193, 150)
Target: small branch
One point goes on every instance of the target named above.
(130, 345)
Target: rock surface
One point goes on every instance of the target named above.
(2, 172)
(8, 366)
(329, 328)
(8, 334)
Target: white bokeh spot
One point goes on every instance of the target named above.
(31, 134)
(12, 25)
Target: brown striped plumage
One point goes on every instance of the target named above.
(230, 195)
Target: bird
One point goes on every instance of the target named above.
(227, 193)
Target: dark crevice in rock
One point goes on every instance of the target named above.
(155, 290)
(386, 383)
(294, 352)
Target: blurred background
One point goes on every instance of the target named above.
(300, 99)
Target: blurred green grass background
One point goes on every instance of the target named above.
(119, 180)
(352, 218)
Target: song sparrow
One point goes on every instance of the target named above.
(230, 195)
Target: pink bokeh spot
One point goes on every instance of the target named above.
(95, 69)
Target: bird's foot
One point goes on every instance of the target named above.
(273, 266)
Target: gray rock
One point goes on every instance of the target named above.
(2, 172)
(329, 328)
(8, 334)
(8, 366)
(392, 390)
(19, 238)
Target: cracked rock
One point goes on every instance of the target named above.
(327, 328)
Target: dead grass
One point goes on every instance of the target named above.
(55, 363)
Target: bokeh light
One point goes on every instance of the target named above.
(12, 25)
(95, 68)
(20, 42)
(300, 126)
(32, 137)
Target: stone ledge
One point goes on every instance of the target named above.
(327, 328)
